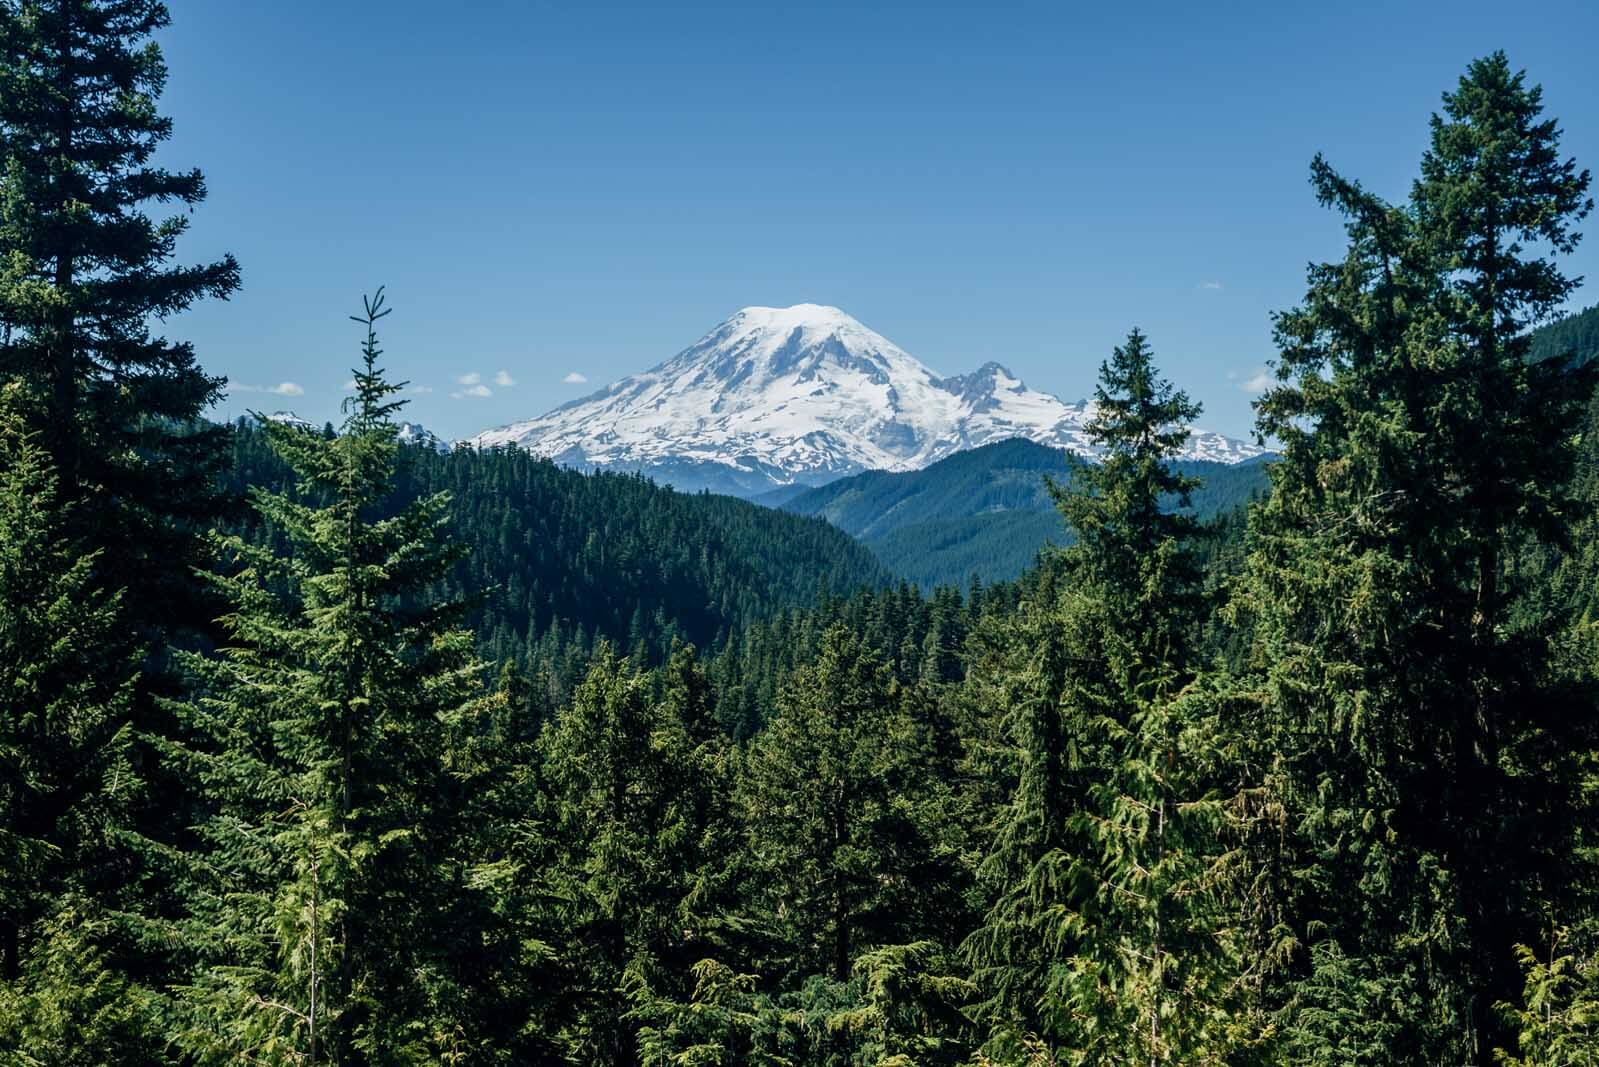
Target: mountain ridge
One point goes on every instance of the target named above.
(984, 511)
(803, 395)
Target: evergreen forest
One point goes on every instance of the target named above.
(317, 748)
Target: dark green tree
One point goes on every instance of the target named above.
(1105, 938)
(828, 794)
(1151, 977)
(641, 846)
(333, 908)
(67, 671)
(86, 271)
(1416, 737)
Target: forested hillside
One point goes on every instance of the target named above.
(1312, 785)
(561, 559)
(985, 512)
(1575, 335)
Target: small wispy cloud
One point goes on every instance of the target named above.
(281, 389)
(1258, 381)
(473, 391)
(504, 379)
(470, 379)
(1213, 286)
(575, 378)
(421, 390)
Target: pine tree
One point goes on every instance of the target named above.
(332, 908)
(67, 672)
(639, 863)
(829, 842)
(1104, 940)
(1415, 740)
(87, 269)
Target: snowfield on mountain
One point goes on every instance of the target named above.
(803, 395)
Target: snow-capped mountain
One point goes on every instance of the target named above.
(802, 395)
(407, 433)
(414, 433)
(288, 418)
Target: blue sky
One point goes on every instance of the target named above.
(583, 189)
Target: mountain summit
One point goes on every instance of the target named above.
(801, 395)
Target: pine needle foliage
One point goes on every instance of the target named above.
(86, 271)
(1413, 733)
(329, 909)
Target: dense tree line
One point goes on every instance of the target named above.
(1313, 785)
(986, 512)
(561, 560)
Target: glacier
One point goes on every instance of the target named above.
(800, 396)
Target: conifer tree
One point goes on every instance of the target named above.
(1104, 938)
(819, 789)
(67, 671)
(1150, 979)
(1018, 952)
(1415, 738)
(640, 846)
(330, 904)
(87, 272)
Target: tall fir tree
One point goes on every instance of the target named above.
(333, 907)
(1104, 940)
(1416, 740)
(67, 671)
(830, 840)
(86, 271)
(1152, 976)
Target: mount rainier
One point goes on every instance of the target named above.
(802, 395)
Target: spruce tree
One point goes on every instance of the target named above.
(829, 842)
(67, 671)
(1416, 740)
(332, 907)
(1105, 939)
(87, 273)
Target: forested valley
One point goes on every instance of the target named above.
(316, 748)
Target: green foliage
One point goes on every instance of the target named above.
(1575, 336)
(69, 1008)
(636, 791)
(985, 512)
(85, 271)
(1557, 1018)
(1399, 666)
(827, 795)
(1107, 939)
(561, 560)
(330, 904)
(68, 786)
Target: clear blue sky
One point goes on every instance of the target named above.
(587, 187)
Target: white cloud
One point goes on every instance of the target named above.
(470, 379)
(1213, 286)
(1258, 382)
(473, 391)
(281, 389)
(421, 390)
(350, 386)
(504, 379)
(575, 378)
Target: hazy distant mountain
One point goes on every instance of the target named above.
(803, 395)
(406, 432)
(985, 511)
